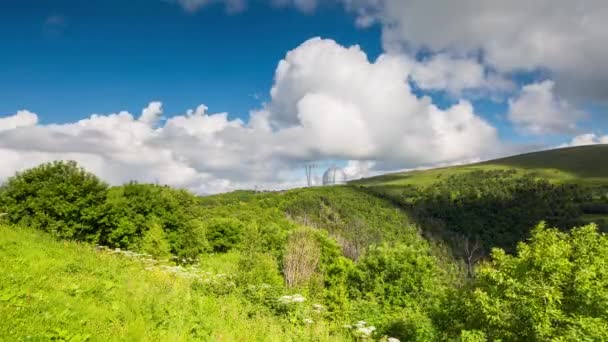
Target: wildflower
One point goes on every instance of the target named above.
(308, 321)
(361, 324)
(285, 299)
(297, 298)
(347, 326)
(392, 339)
(318, 307)
(366, 331)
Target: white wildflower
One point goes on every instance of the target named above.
(297, 298)
(392, 339)
(347, 326)
(308, 321)
(318, 307)
(285, 299)
(366, 331)
(361, 324)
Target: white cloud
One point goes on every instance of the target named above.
(195, 5)
(586, 139)
(354, 109)
(443, 72)
(563, 36)
(233, 6)
(152, 114)
(22, 118)
(357, 169)
(328, 102)
(538, 110)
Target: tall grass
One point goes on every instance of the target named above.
(69, 291)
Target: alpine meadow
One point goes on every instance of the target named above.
(304, 170)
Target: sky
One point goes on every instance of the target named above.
(217, 95)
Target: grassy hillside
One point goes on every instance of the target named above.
(583, 164)
(496, 202)
(315, 264)
(68, 291)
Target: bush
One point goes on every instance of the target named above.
(555, 288)
(59, 197)
(154, 241)
(223, 234)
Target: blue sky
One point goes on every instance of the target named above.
(495, 89)
(112, 55)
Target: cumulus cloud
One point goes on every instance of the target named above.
(586, 139)
(22, 118)
(454, 75)
(357, 169)
(538, 110)
(152, 114)
(352, 108)
(327, 102)
(562, 36)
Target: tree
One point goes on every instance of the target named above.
(555, 288)
(59, 197)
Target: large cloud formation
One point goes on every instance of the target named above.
(327, 102)
(562, 36)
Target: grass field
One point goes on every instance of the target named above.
(583, 164)
(68, 291)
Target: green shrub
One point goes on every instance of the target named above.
(154, 241)
(555, 288)
(223, 234)
(58, 197)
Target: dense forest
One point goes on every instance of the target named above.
(482, 256)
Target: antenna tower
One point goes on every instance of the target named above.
(310, 173)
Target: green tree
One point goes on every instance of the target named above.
(224, 234)
(555, 288)
(59, 197)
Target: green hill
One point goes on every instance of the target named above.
(497, 201)
(582, 164)
(333, 263)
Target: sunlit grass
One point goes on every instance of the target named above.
(69, 291)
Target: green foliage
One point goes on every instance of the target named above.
(130, 208)
(58, 197)
(583, 165)
(154, 241)
(400, 275)
(348, 254)
(53, 290)
(472, 336)
(555, 288)
(223, 234)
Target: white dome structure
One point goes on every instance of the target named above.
(333, 176)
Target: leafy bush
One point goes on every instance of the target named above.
(58, 197)
(555, 288)
(154, 241)
(223, 234)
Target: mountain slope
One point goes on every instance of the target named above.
(582, 164)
